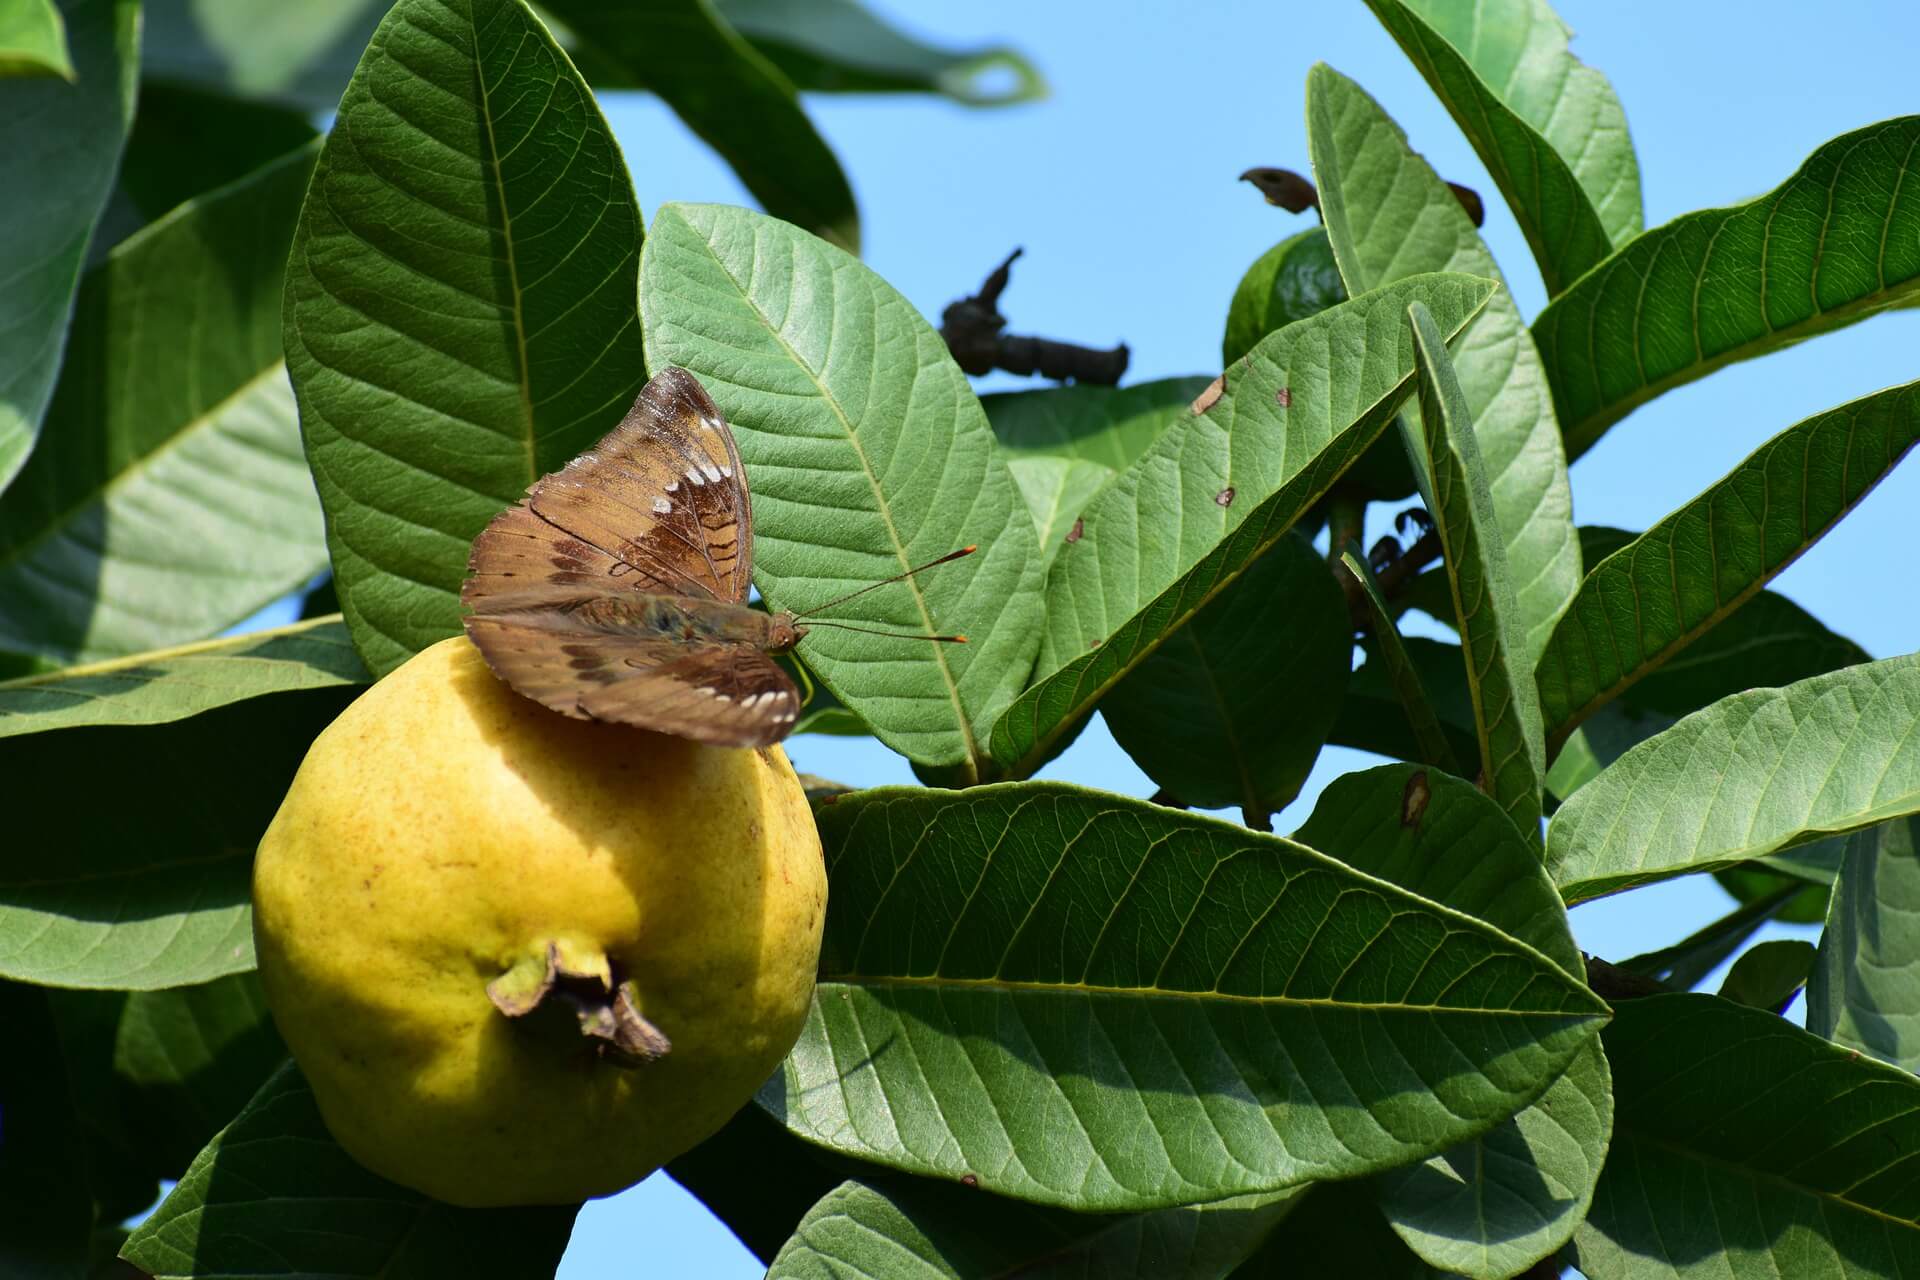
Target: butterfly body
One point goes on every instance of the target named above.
(616, 588)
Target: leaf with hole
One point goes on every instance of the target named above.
(1159, 543)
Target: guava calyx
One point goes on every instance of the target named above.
(581, 982)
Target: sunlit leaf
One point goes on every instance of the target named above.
(33, 40)
(1644, 604)
(868, 454)
(1549, 128)
(1751, 775)
(1837, 241)
(1295, 279)
(1107, 1004)
(1389, 216)
(1214, 492)
(457, 329)
(1506, 710)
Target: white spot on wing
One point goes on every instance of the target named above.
(673, 486)
(661, 506)
(709, 424)
(693, 474)
(713, 472)
(726, 470)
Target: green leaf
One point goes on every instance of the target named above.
(1429, 738)
(62, 141)
(1648, 601)
(923, 1231)
(131, 868)
(1159, 543)
(273, 1195)
(1768, 974)
(168, 161)
(1549, 128)
(1687, 963)
(1743, 1146)
(33, 40)
(455, 330)
(1506, 712)
(1105, 1004)
(299, 55)
(1864, 991)
(1295, 279)
(1064, 444)
(46, 1211)
(170, 499)
(1495, 1205)
(731, 95)
(868, 455)
(1751, 775)
(1838, 241)
(1389, 216)
(838, 46)
(1373, 717)
(172, 684)
(1232, 709)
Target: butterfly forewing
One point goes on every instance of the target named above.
(614, 589)
(659, 505)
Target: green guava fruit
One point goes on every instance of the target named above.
(525, 959)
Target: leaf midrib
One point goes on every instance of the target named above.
(513, 267)
(1113, 991)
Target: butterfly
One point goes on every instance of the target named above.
(616, 588)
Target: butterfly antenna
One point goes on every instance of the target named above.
(894, 635)
(822, 608)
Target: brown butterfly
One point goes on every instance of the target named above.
(616, 589)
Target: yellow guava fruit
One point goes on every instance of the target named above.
(525, 959)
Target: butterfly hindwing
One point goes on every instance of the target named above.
(660, 505)
(641, 662)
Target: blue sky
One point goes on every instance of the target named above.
(1121, 187)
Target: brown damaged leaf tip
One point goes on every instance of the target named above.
(1283, 188)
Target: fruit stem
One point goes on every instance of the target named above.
(605, 1011)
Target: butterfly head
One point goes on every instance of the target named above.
(783, 633)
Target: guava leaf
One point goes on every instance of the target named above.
(1836, 242)
(1232, 709)
(731, 95)
(1864, 990)
(1750, 775)
(838, 46)
(757, 1178)
(455, 330)
(273, 1195)
(62, 140)
(1336, 1221)
(46, 1206)
(1768, 974)
(170, 498)
(33, 41)
(151, 889)
(916, 1230)
(867, 454)
(1373, 717)
(1743, 1145)
(298, 55)
(1506, 709)
(1159, 542)
(1429, 737)
(1389, 216)
(1063, 445)
(1106, 1004)
(1493, 1206)
(168, 162)
(1295, 279)
(1548, 127)
(1645, 603)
